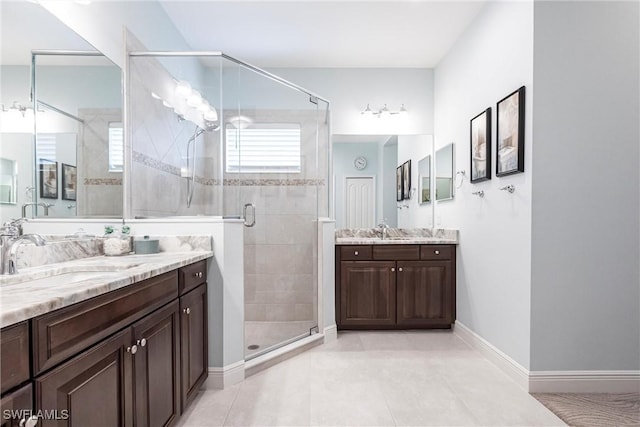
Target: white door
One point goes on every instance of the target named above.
(359, 202)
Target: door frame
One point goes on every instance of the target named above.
(344, 196)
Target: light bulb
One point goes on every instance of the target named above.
(204, 106)
(403, 111)
(211, 115)
(367, 112)
(384, 112)
(166, 104)
(155, 95)
(183, 89)
(195, 99)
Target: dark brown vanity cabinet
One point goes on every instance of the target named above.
(118, 359)
(395, 286)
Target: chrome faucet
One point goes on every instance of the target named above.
(46, 207)
(383, 227)
(11, 238)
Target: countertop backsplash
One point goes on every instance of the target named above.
(61, 249)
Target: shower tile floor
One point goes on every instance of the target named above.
(419, 378)
(265, 334)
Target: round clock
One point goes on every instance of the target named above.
(360, 162)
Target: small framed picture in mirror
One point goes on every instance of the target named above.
(481, 146)
(406, 180)
(48, 179)
(69, 182)
(510, 134)
(399, 188)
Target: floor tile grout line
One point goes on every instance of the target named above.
(235, 396)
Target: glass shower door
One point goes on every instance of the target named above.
(272, 152)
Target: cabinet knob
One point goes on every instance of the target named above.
(393, 269)
(187, 310)
(198, 274)
(400, 269)
(356, 253)
(436, 252)
(133, 349)
(142, 342)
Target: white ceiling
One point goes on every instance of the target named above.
(321, 33)
(293, 33)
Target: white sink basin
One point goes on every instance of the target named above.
(56, 274)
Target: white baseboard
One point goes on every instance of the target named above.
(330, 333)
(513, 369)
(220, 378)
(552, 381)
(584, 382)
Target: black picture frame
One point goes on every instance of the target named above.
(510, 133)
(399, 188)
(480, 146)
(69, 181)
(406, 180)
(48, 171)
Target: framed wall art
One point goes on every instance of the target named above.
(48, 179)
(406, 180)
(399, 188)
(69, 182)
(510, 134)
(481, 146)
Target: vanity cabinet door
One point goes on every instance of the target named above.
(193, 342)
(367, 293)
(92, 389)
(426, 295)
(156, 368)
(16, 407)
(14, 354)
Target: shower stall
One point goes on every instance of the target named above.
(214, 136)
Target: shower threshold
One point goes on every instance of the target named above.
(268, 349)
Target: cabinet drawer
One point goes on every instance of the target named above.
(396, 252)
(192, 275)
(433, 252)
(14, 355)
(63, 333)
(355, 253)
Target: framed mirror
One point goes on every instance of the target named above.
(424, 180)
(444, 173)
(8, 181)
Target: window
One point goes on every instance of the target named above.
(263, 148)
(46, 147)
(116, 147)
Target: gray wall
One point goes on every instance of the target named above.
(585, 237)
(491, 59)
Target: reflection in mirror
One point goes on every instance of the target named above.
(444, 173)
(424, 180)
(8, 181)
(79, 130)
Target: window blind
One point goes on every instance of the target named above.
(263, 148)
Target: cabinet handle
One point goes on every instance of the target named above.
(356, 253)
(133, 349)
(29, 422)
(436, 252)
(187, 310)
(393, 269)
(142, 342)
(400, 269)
(198, 274)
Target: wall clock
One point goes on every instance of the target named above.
(360, 163)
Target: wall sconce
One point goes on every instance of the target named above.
(384, 111)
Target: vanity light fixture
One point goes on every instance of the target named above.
(384, 111)
(183, 89)
(240, 122)
(17, 108)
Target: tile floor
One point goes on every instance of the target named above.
(412, 378)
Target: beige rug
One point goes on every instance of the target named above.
(594, 409)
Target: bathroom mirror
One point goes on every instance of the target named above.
(444, 172)
(382, 155)
(424, 180)
(63, 84)
(8, 181)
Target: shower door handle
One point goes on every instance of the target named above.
(253, 215)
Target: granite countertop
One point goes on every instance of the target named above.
(39, 290)
(397, 236)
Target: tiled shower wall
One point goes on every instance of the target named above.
(99, 191)
(159, 154)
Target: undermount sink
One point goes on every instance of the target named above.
(68, 278)
(57, 274)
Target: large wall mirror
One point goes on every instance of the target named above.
(65, 165)
(364, 179)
